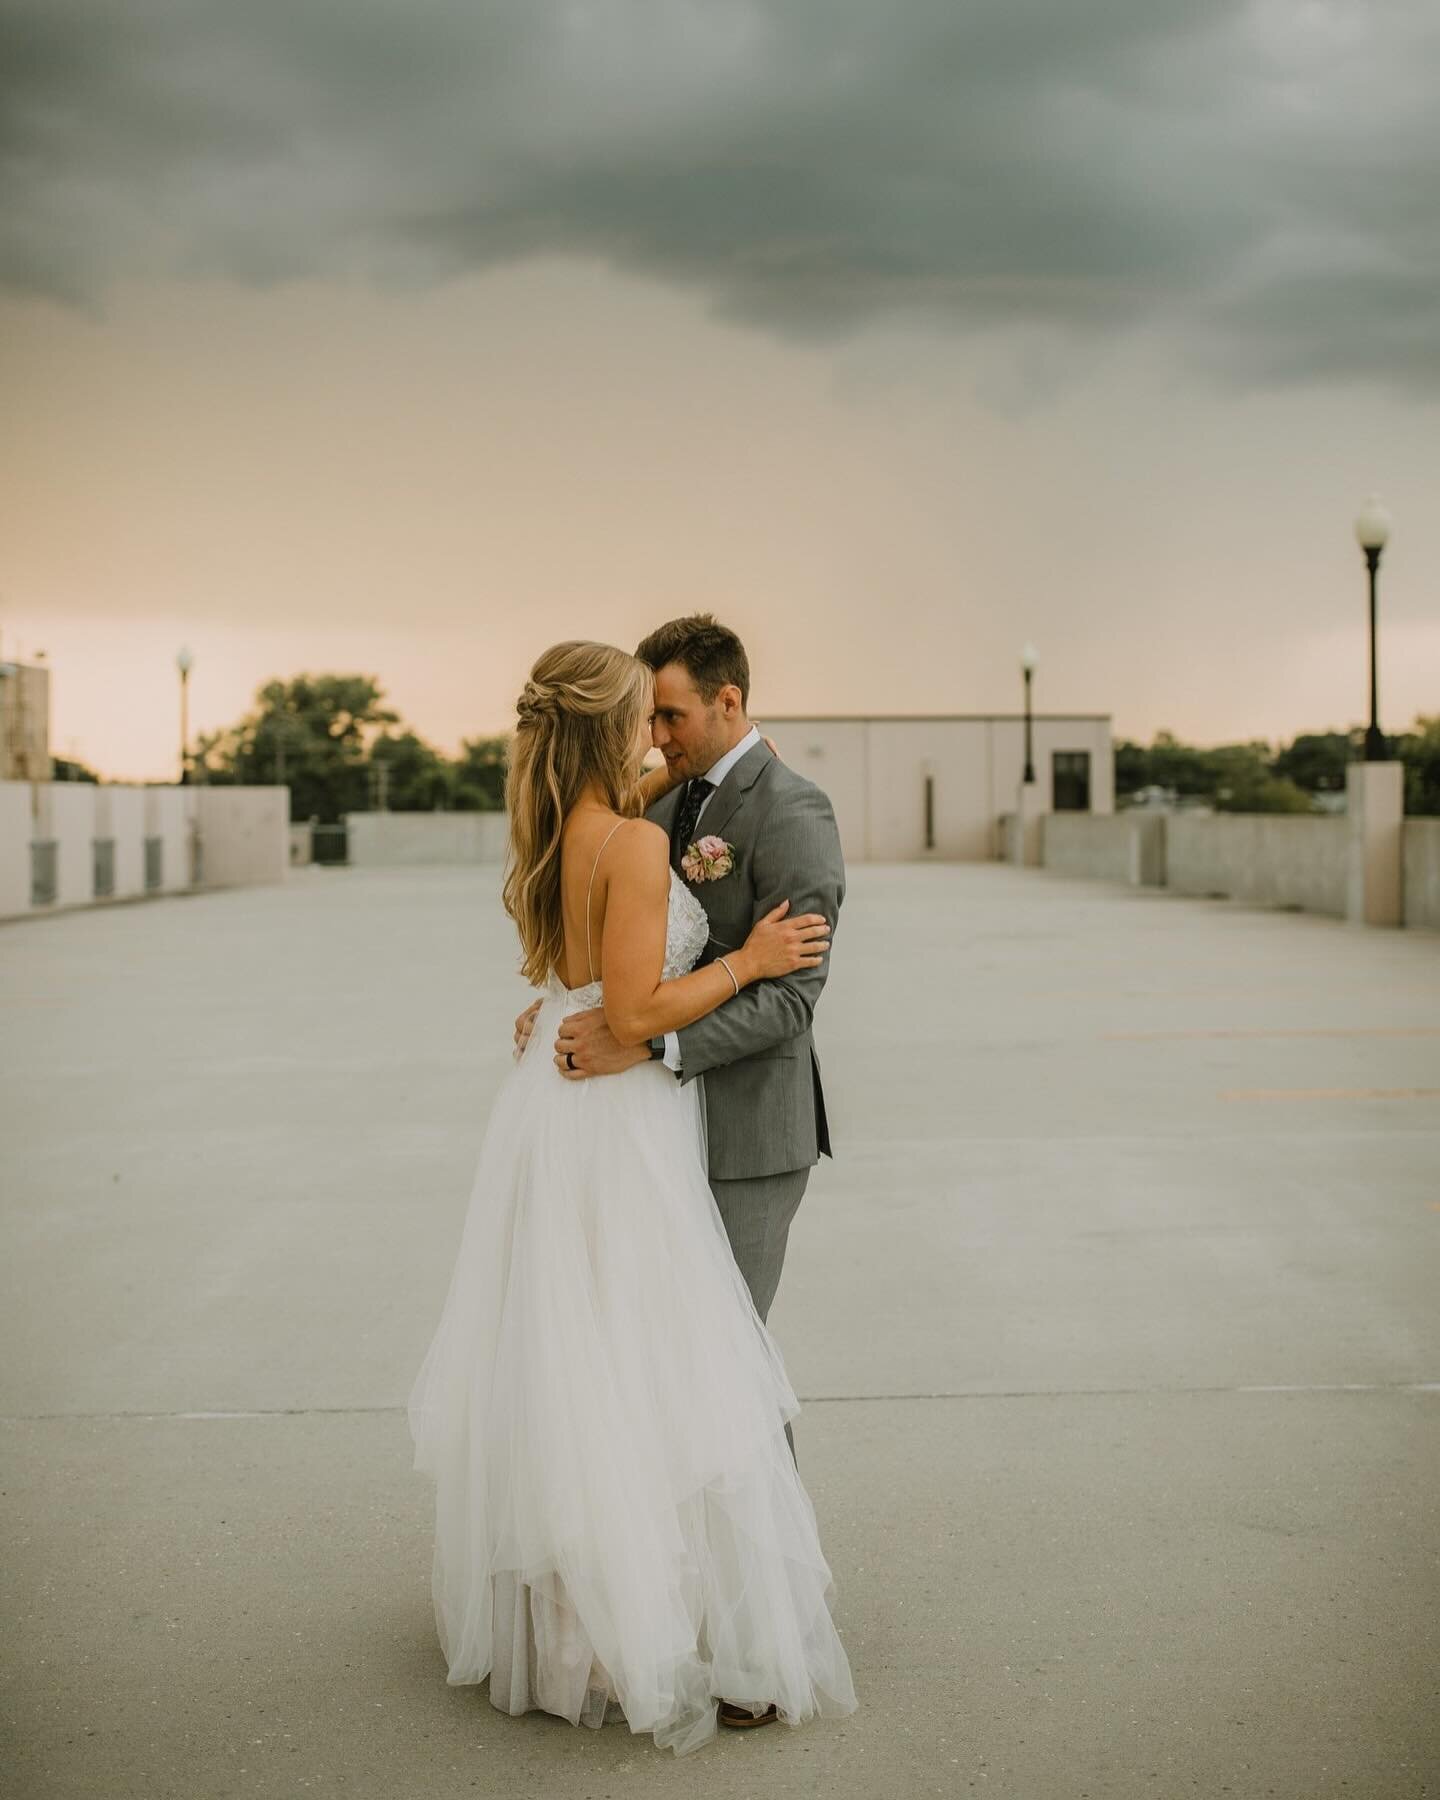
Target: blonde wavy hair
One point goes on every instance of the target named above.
(575, 723)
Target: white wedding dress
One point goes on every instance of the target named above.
(620, 1528)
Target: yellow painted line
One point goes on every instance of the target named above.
(1416, 1093)
(1269, 1031)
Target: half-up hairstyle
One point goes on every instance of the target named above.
(575, 723)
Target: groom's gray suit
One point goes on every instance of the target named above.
(764, 1106)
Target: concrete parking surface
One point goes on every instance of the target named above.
(1115, 1319)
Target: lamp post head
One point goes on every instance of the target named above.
(1372, 525)
(184, 659)
(1029, 659)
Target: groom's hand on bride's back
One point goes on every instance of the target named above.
(586, 1047)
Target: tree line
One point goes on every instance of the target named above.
(340, 748)
(1290, 778)
(332, 740)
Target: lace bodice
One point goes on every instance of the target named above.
(687, 931)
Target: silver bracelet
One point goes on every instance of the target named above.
(728, 970)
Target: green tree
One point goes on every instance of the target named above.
(1316, 760)
(64, 769)
(417, 777)
(479, 775)
(1132, 768)
(1419, 750)
(311, 732)
(1243, 781)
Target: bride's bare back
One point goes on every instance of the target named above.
(591, 843)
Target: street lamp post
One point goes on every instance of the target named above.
(184, 662)
(1029, 662)
(1372, 532)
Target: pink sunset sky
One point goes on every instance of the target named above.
(309, 395)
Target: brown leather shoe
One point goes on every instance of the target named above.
(739, 1719)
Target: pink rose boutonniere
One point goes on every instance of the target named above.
(708, 859)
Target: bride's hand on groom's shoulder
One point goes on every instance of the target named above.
(778, 945)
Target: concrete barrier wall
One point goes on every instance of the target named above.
(244, 834)
(168, 815)
(65, 811)
(127, 827)
(1127, 847)
(15, 833)
(1421, 852)
(1270, 859)
(394, 840)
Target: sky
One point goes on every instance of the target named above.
(408, 339)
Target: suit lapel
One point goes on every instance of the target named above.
(662, 813)
(732, 791)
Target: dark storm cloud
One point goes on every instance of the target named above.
(1261, 174)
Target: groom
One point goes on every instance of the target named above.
(764, 1106)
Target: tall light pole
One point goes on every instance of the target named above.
(1029, 662)
(184, 662)
(1372, 533)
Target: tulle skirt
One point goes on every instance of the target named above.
(620, 1529)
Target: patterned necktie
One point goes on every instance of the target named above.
(688, 816)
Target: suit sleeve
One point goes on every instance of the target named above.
(796, 858)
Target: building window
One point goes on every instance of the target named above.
(154, 863)
(104, 868)
(1070, 780)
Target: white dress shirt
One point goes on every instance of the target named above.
(714, 776)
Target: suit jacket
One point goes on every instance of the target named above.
(764, 1103)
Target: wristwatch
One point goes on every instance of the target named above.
(657, 1049)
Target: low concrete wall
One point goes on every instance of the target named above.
(67, 813)
(392, 840)
(1128, 847)
(244, 833)
(15, 835)
(1263, 859)
(1268, 859)
(122, 812)
(1420, 839)
(169, 816)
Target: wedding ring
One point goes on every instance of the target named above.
(569, 1059)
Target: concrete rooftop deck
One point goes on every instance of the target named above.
(1116, 1318)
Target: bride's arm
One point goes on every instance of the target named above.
(655, 784)
(639, 1003)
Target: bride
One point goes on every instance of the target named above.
(620, 1528)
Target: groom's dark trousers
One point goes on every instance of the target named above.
(757, 1215)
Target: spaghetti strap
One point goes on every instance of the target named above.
(589, 893)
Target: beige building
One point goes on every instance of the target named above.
(919, 789)
(24, 722)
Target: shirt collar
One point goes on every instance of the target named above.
(728, 761)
